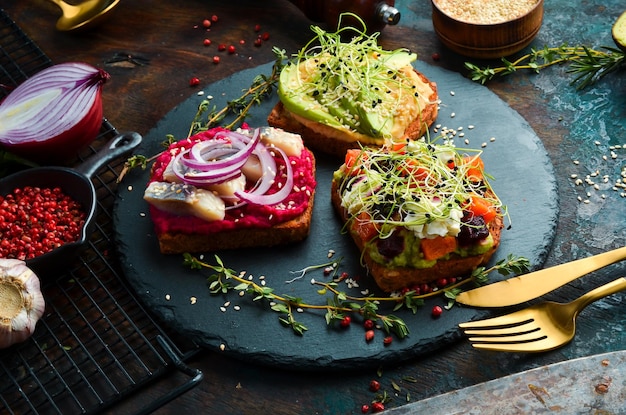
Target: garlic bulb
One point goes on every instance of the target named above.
(21, 302)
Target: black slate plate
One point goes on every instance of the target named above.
(524, 181)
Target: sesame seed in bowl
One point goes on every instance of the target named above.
(487, 29)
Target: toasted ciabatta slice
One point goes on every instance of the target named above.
(344, 95)
(266, 201)
(418, 215)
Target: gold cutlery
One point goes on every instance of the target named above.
(527, 287)
(538, 328)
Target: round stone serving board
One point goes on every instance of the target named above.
(249, 330)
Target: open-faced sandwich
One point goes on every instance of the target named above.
(418, 212)
(222, 189)
(342, 95)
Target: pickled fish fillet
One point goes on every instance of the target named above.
(184, 199)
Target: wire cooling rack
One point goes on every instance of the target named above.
(95, 345)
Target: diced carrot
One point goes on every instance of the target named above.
(364, 227)
(399, 147)
(437, 247)
(475, 168)
(480, 206)
(353, 156)
(412, 167)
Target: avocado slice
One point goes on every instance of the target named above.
(347, 96)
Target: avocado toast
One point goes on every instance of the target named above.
(342, 95)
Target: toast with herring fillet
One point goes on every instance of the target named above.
(221, 189)
(344, 95)
(410, 226)
(336, 141)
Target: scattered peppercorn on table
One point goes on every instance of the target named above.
(159, 55)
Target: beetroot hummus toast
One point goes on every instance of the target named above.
(222, 189)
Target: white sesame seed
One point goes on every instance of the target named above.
(167, 297)
(222, 347)
(193, 300)
(223, 309)
(237, 308)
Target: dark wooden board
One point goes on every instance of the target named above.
(524, 180)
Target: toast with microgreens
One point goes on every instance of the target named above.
(222, 189)
(419, 212)
(341, 95)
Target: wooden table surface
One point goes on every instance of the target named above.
(153, 48)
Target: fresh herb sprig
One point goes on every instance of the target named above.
(339, 303)
(588, 65)
(261, 87)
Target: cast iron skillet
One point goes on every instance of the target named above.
(76, 183)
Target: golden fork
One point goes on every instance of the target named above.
(538, 328)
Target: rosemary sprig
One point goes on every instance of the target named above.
(588, 65)
(338, 303)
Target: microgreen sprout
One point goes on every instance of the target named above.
(338, 303)
(302, 272)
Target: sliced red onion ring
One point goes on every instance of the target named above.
(261, 198)
(221, 158)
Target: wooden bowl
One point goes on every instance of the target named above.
(486, 40)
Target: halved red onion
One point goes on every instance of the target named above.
(53, 114)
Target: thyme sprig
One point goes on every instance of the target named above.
(588, 65)
(339, 303)
(262, 86)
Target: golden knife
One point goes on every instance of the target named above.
(526, 287)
